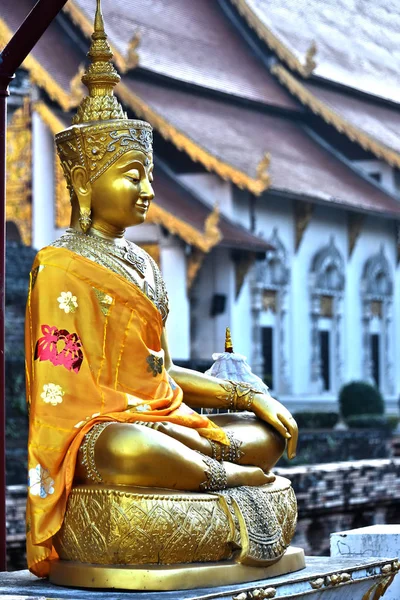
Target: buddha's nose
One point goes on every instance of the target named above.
(146, 192)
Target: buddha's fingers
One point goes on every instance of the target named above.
(291, 427)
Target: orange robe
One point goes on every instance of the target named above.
(93, 353)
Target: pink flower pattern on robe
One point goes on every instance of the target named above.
(60, 347)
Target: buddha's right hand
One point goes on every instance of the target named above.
(273, 412)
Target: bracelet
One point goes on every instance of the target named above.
(231, 453)
(240, 395)
(216, 450)
(216, 475)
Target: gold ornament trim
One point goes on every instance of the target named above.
(193, 265)
(302, 213)
(197, 153)
(62, 198)
(132, 58)
(355, 224)
(204, 241)
(86, 26)
(274, 43)
(19, 171)
(38, 74)
(366, 141)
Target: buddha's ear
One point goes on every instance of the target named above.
(82, 186)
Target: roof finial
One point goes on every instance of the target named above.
(100, 78)
(228, 341)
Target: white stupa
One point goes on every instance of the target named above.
(232, 366)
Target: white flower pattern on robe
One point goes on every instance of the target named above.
(40, 482)
(67, 302)
(52, 393)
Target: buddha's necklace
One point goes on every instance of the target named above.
(105, 252)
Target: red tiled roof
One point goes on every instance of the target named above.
(239, 136)
(189, 41)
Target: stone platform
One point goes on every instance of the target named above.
(323, 578)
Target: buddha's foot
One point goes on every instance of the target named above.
(239, 475)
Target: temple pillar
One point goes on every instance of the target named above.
(173, 266)
(43, 227)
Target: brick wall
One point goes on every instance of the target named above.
(345, 495)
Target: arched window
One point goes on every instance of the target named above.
(327, 282)
(269, 308)
(377, 300)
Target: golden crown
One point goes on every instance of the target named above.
(101, 131)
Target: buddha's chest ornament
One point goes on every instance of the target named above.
(137, 262)
(125, 259)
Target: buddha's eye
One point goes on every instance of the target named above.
(133, 176)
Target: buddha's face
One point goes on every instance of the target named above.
(121, 196)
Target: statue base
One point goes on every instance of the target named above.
(170, 577)
(324, 578)
(142, 528)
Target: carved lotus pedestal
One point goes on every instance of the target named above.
(137, 538)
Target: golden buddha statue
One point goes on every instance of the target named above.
(122, 469)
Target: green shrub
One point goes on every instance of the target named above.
(360, 398)
(370, 422)
(393, 421)
(316, 420)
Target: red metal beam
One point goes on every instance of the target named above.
(11, 58)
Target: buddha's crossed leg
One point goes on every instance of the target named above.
(132, 454)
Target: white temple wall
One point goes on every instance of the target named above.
(324, 224)
(43, 204)
(274, 213)
(241, 212)
(224, 283)
(173, 266)
(376, 234)
(215, 277)
(393, 404)
(241, 323)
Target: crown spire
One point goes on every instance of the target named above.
(228, 341)
(100, 78)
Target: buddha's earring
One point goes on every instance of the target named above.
(84, 219)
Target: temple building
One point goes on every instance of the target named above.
(277, 174)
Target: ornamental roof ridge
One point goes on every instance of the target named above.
(330, 116)
(275, 43)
